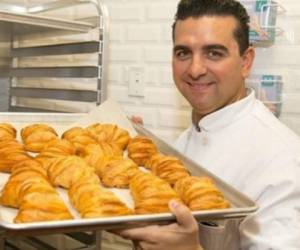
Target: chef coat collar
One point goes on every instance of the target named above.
(225, 116)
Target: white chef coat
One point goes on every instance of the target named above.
(249, 148)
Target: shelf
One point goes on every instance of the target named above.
(79, 71)
(58, 49)
(33, 23)
(59, 94)
(17, 108)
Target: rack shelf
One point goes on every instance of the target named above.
(57, 49)
(74, 71)
(34, 23)
(59, 94)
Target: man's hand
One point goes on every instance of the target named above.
(137, 119)
(176, 236)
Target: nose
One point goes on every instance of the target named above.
(197, 67)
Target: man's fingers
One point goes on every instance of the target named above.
(140, 234)
(137, 119)
(183, 216)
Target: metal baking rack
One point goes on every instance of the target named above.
(17, 21)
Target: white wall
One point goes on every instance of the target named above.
(141, 36)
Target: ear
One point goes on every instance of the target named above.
(247, 61)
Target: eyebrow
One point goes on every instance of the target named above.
(205, 47)
(180, 47)
(215, 46)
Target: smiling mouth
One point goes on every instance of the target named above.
(200, 86)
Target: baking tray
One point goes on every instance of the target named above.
(241, 205)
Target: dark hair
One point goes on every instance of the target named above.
(200, 8)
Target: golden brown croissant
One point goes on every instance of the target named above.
(140, 149)
(118, 173)
(169, 168)
(91, 200)
(60, 146)
(94, 153)
(151, 194)
(10, 143)
(35, 136)
(29, 190)
(11, 152)
(30, 164)
(53, 149)
(79, 138)
(28, 130)
(65, 170)
(103, 162)
(109, 133)
(7, 131)
(200, 193)
(41, 202)
(23, 174)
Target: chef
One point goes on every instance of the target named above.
(232, 134)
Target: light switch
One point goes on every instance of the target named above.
(136, 81)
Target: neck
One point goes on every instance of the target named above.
(196, 117)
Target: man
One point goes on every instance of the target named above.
(232, 134)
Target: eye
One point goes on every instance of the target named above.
(215, 55)
(182, 54)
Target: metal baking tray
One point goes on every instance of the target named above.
(241, 205)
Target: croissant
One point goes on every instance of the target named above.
(79, 138)
(63, 171)
(23, 174)
(41, 202)
(91, 200)
(10, 144)
(36, 136)
(117, 173)
(109, 133)
(31, 165)
(94, 153)
(7, 131)
(53, 149)
(140, 149)
(28, 130)
(60, 146)
(168, 168)
(29, 190)
(151, 194)
(11, 152)
(103, 162)
(200, 193)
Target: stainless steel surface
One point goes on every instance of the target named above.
(103, 53)
(74, 71)
(241, 205)
(18, 108)
(57, 94)
(54, 5)
(57, 49)
(71, 241)
(34, 20)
